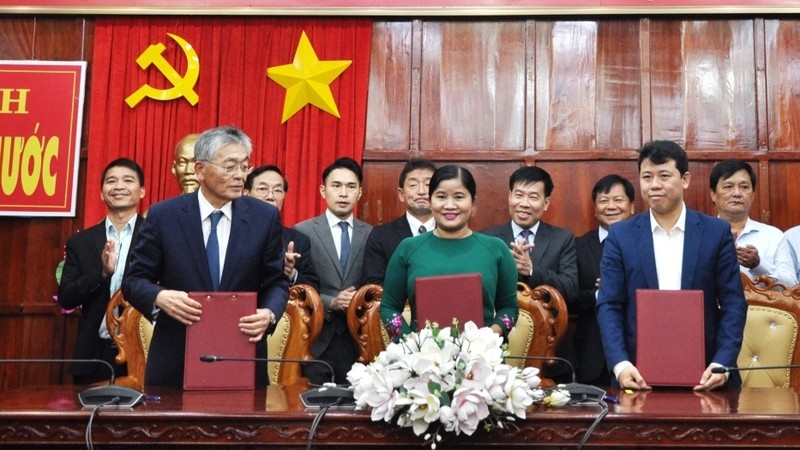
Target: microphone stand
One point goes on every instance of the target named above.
(328, 394)
(578, 392)
(96, 395)
(739, 369)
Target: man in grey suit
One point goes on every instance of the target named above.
(337, 254)
(173, 254)
(383, 241)
(544, 254)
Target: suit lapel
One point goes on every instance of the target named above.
(99, 238)
(692, 239)
(192, 228)
(357, 243)
(325, 236)
(240, 214)
(644, 243)
(540, 242)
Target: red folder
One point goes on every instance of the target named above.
(442, 298)
(217, 333)
(670, 337)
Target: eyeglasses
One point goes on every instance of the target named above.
(230, 167)
(264, 190)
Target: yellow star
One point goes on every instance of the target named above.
(307, 80)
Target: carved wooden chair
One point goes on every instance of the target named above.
(540, 326)
(364, 322)
(132, 332)
(771, 333)
(295, 333)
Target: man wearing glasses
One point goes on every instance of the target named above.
(173, 255)
(267, 183)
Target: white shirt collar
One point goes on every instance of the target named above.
(112, 231)
(414, 223)
(206, 208)
(516, 229)
(602, 233)
(679, 225)
(333, 221)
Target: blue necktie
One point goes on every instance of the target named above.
(212, 250)
(345, 248)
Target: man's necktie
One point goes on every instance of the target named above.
(212, 250)
(345, 248)
(422, 229)
(526, 236)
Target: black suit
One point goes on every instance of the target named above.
(83, 284)
(302, 245)
(588, 344)
(553, 257)
(381, 244)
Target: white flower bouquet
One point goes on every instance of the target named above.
(442, 380)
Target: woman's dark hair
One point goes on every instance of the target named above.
(453, 172)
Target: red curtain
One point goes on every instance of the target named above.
(233, 89)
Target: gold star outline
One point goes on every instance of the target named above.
(307, 80)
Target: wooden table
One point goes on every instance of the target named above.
(51, 415)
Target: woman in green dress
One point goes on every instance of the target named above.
(451, 248)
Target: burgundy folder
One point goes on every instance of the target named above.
(442, 298)
(670, 337)
(217, 333)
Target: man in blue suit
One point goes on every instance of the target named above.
(170, 259)
(670, 247)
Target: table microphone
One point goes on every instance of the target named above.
(720, 369)
(96, 395)
(578, 392)
(325, 395)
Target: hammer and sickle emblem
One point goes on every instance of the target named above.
(182, 86)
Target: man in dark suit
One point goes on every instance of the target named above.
(544, 254)
(612, 197)
(337, 253)
(413, 193)
(267, 183)
(670, 247)
(93, 268)
(170, 258)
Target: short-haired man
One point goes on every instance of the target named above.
(733, 187)
(337, 254)
(268, 183)
(183, 164)
(95, 262)
(544, 254)
(412, 191)
(612, 198)
(171, 257)
(670, 247)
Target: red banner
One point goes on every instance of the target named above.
(41, 107)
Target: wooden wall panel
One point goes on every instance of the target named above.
(473, 86)
(703, 83)
(390, 87)
(16, 35)
(565, 108)
(782, 42)
(619, 95)
(784, 193)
